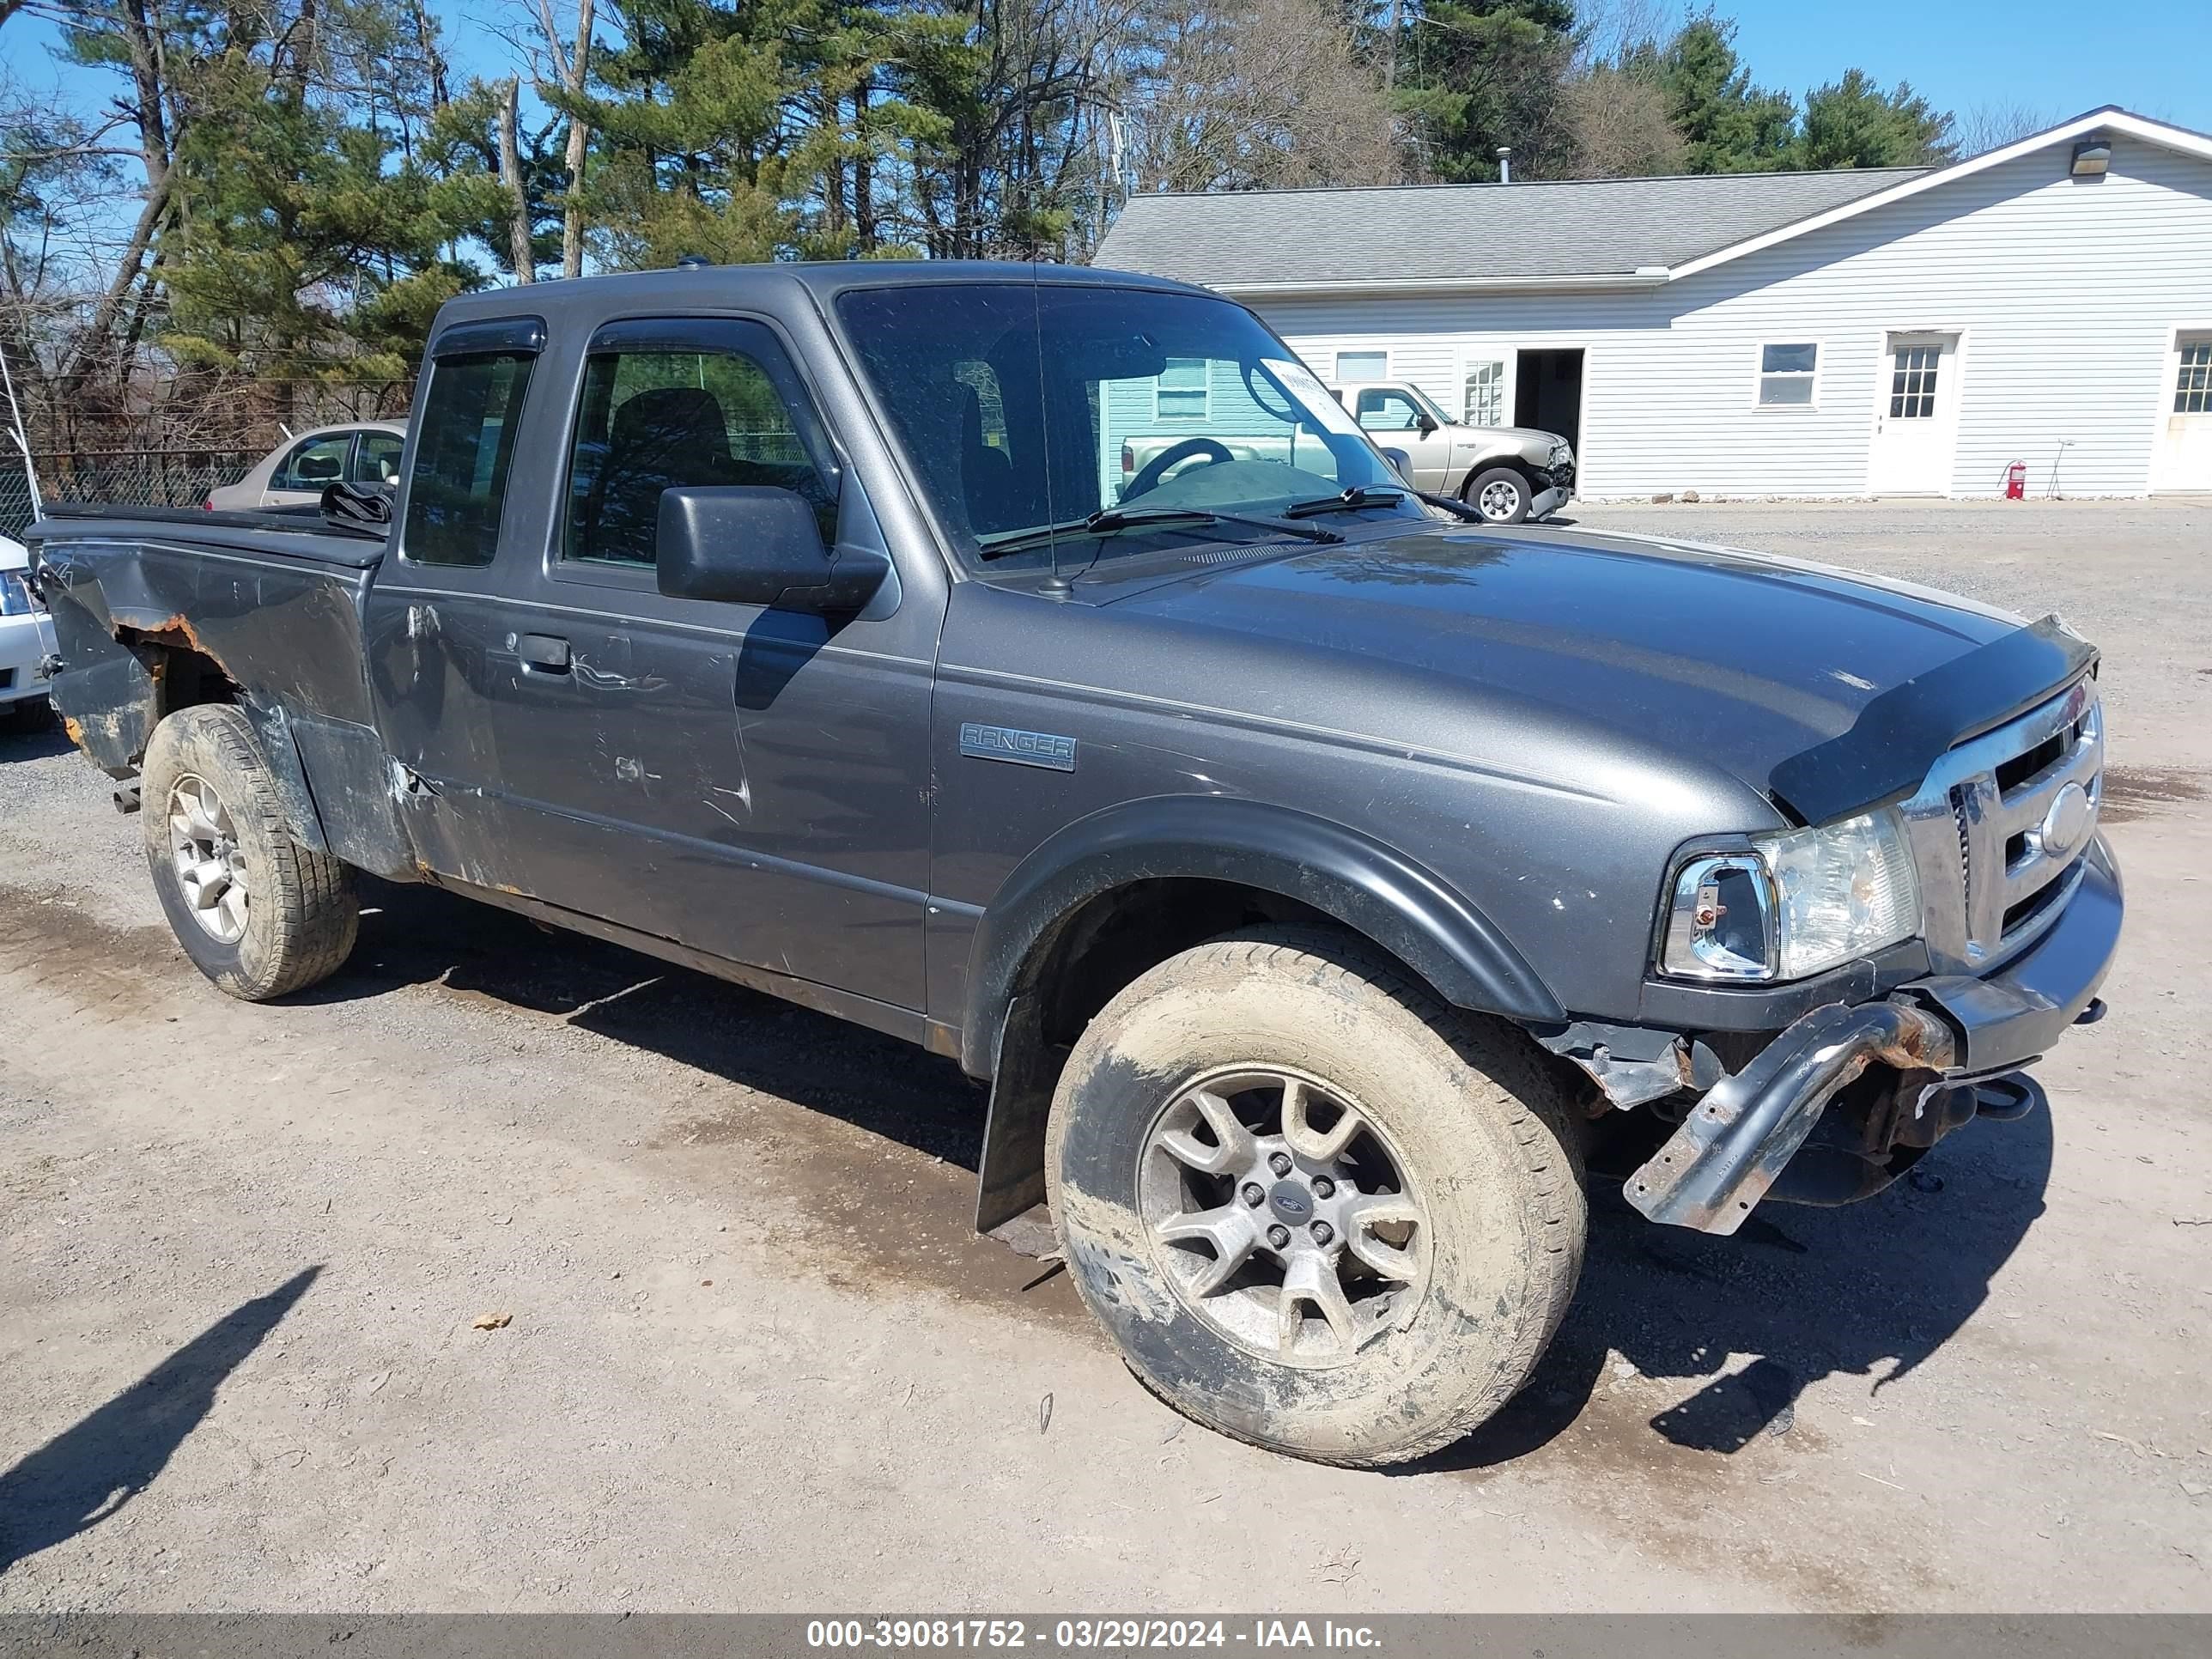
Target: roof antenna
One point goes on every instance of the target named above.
(1055, 587)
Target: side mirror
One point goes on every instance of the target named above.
(745, 545)
(1427, 423)
(1402, 463)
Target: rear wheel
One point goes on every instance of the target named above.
(257, 913)
(1318, 1210)
(1500, 495)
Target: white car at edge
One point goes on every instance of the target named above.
(27, 640)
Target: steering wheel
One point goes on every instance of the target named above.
(1155, 469)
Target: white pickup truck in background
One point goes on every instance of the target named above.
(1507, 473)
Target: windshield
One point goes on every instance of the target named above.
(1168, 420)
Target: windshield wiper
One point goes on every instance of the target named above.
(1349, 501)
(1108, 520)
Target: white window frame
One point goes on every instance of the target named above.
(1204, 390)
(1760, 375)
(1342, 352)
(1509, 381)
(2182, 343)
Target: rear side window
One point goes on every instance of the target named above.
(458, 487)
(376, 461)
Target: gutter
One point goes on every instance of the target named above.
(1655, 276)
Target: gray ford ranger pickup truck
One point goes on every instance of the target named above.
(1316, 873)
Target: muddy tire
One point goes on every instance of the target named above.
(1500, 495)
(1199, 1162)
(257, 913)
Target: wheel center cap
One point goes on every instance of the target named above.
(1292, 1204)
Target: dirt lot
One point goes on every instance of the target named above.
(755, 1360)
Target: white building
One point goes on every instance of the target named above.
(1890, 332)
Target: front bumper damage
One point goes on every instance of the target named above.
(1950, 1041)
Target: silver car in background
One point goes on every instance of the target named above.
(297, 472)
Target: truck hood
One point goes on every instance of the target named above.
(1710, 656)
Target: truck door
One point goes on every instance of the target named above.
(436, 624)
(1390, 415)
(747, 782)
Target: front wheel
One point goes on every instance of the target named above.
(1319, 1211)
(257, 913)
(1501, 496)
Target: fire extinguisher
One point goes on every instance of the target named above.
(2016, 481)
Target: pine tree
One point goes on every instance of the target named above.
(1852, 123)
(1476, 74)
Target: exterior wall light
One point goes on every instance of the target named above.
(2092, 156)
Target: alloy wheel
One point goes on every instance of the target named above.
(210, 866)
(1282, 1215)
(1498, 501)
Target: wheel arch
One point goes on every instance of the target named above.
(1513, 463)
(1189, 868)
(1322, 867)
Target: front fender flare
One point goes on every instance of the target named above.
(1369, 888)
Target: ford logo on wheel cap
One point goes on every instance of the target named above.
(2066, 825)
(1289, 1201)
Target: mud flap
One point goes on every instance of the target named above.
(1011, 1180)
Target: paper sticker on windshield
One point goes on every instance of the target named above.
(1298, 381)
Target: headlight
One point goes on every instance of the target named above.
(1796, 904)
(1562, 452)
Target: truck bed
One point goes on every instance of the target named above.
(154, 608)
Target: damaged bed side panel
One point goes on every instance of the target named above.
(149, 623)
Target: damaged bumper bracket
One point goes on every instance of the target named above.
(1729, 1150)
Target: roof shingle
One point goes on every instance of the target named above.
(1467, 233)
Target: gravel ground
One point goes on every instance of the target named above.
(754, 1361)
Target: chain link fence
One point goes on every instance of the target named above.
(182, 478)
(141, 478)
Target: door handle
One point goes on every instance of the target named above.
(542, 654)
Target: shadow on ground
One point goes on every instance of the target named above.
(413, 935)
(1797, 1295)
(91, 1469)
(40, 742)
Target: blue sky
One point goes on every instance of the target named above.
(2059, 57)
(2054, 57)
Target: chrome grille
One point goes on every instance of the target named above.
(1995, 865)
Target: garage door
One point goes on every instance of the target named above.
(2182, 460)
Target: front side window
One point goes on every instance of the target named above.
(458, 491)
(1786, 373)
(1388, 410)
(1101, 397)
(318, 462)
(662, 417)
